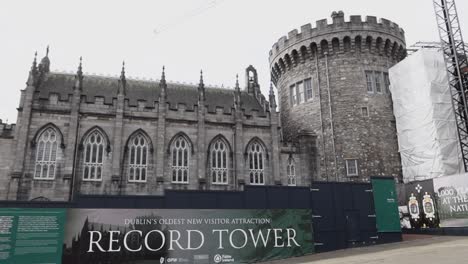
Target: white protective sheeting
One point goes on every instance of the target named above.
(425, 121)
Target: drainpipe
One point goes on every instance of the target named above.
(321, 116)
(331, 116)
(71, 197)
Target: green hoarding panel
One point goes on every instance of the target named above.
(31, 236)
(386, 205)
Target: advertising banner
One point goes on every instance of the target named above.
(31, 236)
(452, 200)
(119, 236)
(386, 205)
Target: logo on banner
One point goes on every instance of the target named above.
(413, 207)
(223, 258)
(217, 258)
(428, 206)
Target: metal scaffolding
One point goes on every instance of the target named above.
(456, 62)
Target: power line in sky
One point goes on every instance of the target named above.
(186, 16)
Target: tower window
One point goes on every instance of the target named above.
(46, 155)
(386, 83)
(180, 153)
(378, 82)
(300, 92)
(309, 93)
(93, 156)
(292, 93)
(365, 111)
(352, 167)
(370, 81)
(256, 164)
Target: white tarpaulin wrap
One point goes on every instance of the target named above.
(425, 121)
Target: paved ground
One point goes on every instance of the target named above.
(415, 249)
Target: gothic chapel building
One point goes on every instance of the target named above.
(87, 134)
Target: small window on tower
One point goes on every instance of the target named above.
(370, 81)
(292, 94)
(365, 111)
(352, 167)
(309, 93)
(378, 82)
(300, 92)
(386, 83)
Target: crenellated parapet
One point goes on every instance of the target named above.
(381, 37)
(7, 130)
(99, 95)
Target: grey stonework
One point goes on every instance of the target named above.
(336, 57)
(75, 104)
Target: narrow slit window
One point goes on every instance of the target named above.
(292, 94)
(370, 82)
(309, 93)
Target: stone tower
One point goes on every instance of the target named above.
(333, 80)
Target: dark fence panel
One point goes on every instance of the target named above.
(343, 215)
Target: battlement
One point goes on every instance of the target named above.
(323, 28)
(7, 130)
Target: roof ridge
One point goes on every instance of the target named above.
(144, 80)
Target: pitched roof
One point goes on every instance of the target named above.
(144, 90)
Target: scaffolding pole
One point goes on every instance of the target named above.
(456, 63)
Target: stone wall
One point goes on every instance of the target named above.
(6, 165)
(58, 114)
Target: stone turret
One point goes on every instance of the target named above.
(332, 81)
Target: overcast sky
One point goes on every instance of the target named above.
(221, 37)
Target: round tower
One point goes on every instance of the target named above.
(333, 80)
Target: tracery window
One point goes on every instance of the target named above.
(93, 156)
(46, 155)
(291, 172)
(219, 162)
(256, 163)
(180, 153)
(138, 159)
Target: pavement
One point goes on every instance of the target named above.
(414, 249)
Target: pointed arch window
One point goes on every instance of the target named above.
(180, 160)
(138, 159)
(93, 156)
(291, 172)
(256, 156)
(219, 162)
(46, 155)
